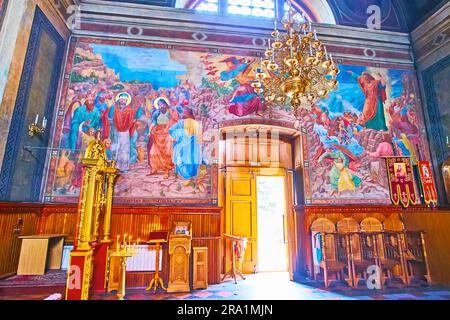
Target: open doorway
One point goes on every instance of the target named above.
(271, 209)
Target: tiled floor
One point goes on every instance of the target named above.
(263, 286)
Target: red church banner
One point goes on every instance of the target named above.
(401, 181)
(427, 181)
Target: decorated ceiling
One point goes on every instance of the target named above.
(397, 15)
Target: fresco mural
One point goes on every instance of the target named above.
(158, 109)
(374, 113)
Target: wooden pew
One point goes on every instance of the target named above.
(334, 256)
(416, 256)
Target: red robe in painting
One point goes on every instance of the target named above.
(161, 151)
(245, 101)
(373, 112)
(125, 120)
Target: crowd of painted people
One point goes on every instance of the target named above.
(338, 133)
(163, 120)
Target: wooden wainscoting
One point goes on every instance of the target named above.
(140, 220)
(435, 222)
(11, 229)
(137, 221)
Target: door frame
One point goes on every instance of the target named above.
(290, 227)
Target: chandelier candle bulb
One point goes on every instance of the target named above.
(37, 119)
(303, 72)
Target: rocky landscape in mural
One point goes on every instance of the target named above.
(374, 113)
(159, 109)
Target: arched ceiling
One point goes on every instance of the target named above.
(396, 15)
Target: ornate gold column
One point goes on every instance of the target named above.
(88, 196)
(88, 264)
(111, 175)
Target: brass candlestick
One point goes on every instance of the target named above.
(123, 251)
(34, 130)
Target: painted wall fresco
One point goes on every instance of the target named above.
(162, 130)
(23, 166)
(374, 113)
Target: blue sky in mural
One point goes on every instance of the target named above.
(142, 64)
(349, 97)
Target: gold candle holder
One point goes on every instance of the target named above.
(123, 251)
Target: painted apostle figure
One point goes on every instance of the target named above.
(124, 123)
(160, 141)
(187, 155)
(375, 92)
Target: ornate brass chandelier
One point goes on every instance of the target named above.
(297, 69)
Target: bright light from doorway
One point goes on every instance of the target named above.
(272, 249)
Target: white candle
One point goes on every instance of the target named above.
(37, 119)
(44, 122)
(276, 14)
(326, 52)
(310, 26)
(315, 35)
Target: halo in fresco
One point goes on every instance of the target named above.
(166, 151)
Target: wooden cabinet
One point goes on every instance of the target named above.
(179, 253)
(200, 266)
(39, 253)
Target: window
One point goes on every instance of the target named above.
(256, 8)
(208, 5)
(298, 17)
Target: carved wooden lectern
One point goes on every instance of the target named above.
(179, 252)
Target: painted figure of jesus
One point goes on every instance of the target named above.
(160, 141)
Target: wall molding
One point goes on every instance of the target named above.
(18, 124)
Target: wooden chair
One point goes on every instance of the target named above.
(416, 256)
(369, 239)
(394, 248)
(391, 256)
(350, 228)
(329, 260)
(318, 228)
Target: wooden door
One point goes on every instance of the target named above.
(241, 212)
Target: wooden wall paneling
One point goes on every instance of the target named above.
(9, 242)
(436, 224)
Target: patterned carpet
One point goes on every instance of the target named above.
(51, 278)
(262, 286)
